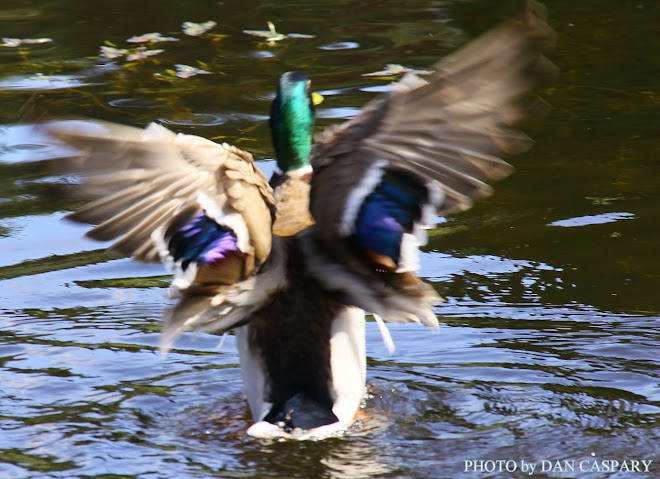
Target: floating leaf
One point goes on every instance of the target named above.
(271, 35)
(151, 38)
(142, 53)
(16, 42)
(606, 200)
(299, 35)
(182, 71)
(112, 52)
(195, 29)
(37, 40)
(186, 71)
(132, 54)
(11, 42)
(393, 69)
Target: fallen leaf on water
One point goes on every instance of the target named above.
(187, 71)
(182, 71)
(132, 54)
(271, 35)
(151, 38)
(16, 42)
(194, 29)
(112, 52)
(142, 53)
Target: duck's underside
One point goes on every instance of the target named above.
(304, 371)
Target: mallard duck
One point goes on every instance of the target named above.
(292, 264)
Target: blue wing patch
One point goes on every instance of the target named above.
(203, 241)
(388, 212)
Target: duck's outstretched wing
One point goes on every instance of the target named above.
(425, 148)
(202, 208)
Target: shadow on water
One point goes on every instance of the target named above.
(548, 350)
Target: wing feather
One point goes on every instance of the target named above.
(429, 146)
(139, 179)
(202, 208)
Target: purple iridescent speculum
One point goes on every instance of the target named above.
(219, 248)
(202, 240)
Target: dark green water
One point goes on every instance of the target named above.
(549, 347)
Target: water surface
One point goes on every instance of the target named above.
(548, 348)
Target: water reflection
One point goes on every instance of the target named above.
(40, 82)
(340, 46)
(208, 119)
(593, 219)
(133, 103)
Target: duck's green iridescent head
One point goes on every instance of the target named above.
(292, 121)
